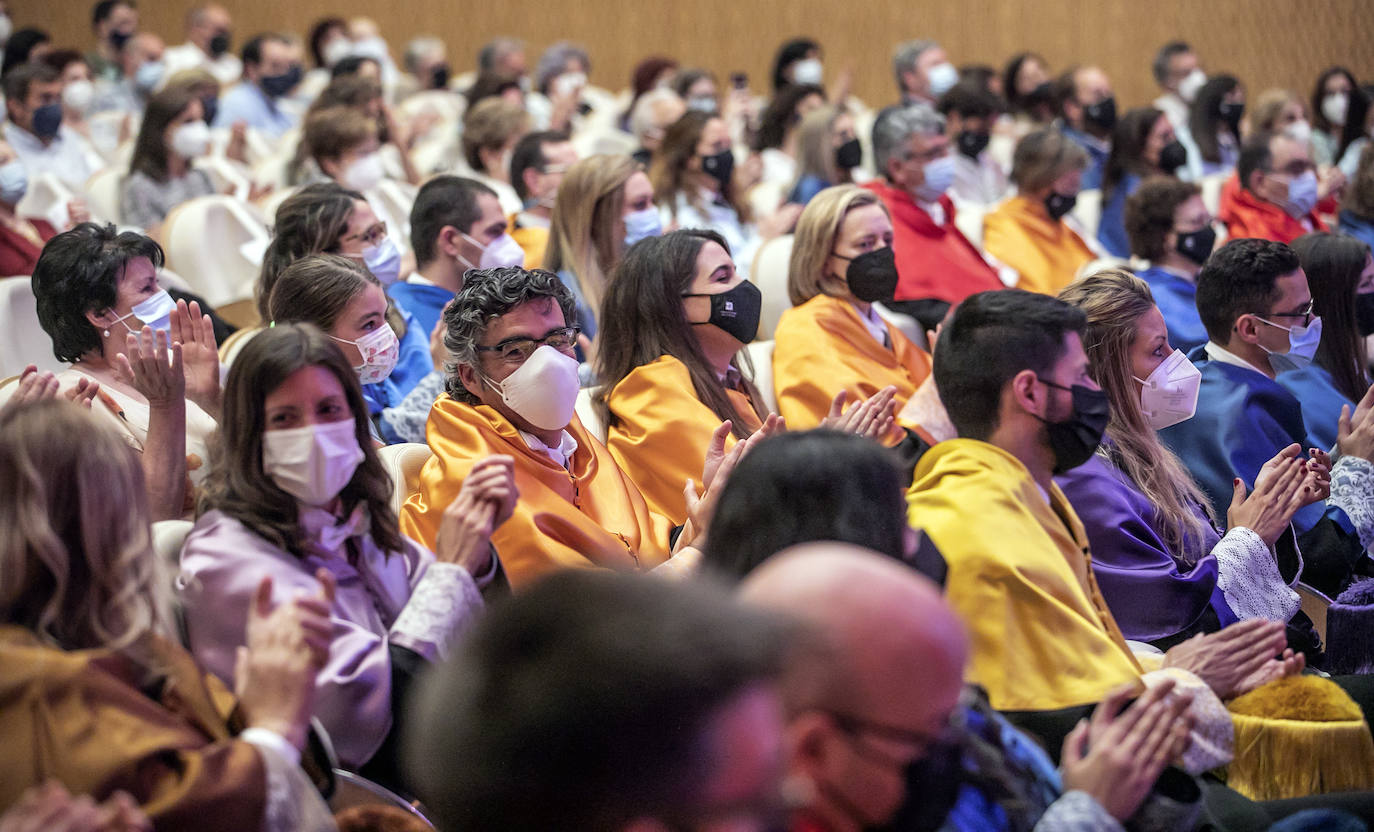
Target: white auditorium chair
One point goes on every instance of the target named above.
(394, 199)
(1087, 210)
(205, 242)
(761, 356)
(769, 273)
(22, 339)
(228, 176)
(587, 414)
(1211, 185)
(766, 198)
(353, 790)
(404, 462)
(269, 204)
(234, 344)
(909, 326)
(47, 199)
(102, 194)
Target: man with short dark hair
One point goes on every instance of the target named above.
(34, 128)
(1177, 71)
(970, 111)
(271, 69)
(1253, 298)
(1275, 192)
(112, 22)
(1087, 114)
(597, 702)
(209, 37)
(141, 71)
(451, 221)
(537, 165)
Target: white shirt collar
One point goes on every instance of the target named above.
(525, 219)
(567, 446)
(934, 209)
(420, 280)
(1216, 352)
(874, 323)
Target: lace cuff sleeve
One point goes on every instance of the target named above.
(1249, 578)
(445, 603)
(1076, 811)
(292, 801)
(1352, 491)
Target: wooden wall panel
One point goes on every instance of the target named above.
(1265, 42)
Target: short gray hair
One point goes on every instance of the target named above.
(642, 117)
(905, 55)
(488, 294)
(497, 49)
(553, 60)
(420, 48)
(895, 126)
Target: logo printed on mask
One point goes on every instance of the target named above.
(1058, 205)
(1197, 245)
(736, 311)
(312, 463)
(1169, 395)
(720, 167)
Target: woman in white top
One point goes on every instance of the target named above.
(99, 300)
(778, 130)
(695, 187)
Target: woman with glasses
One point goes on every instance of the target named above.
(327, 219)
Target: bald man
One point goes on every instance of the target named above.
(209, 45)
(872, 698)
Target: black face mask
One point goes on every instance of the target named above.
(439, 78)
(973, 142)
(278, 85)
(219, 44)
(735, 312)
(1364, 313)
(872, 275)
(1058, 205)
(119, 38)
(1231, 113)
(720, 167)
(1039, 95)
(1173, 156)
(1101, 115)
(849, 155)
(210, 104)
(1074, 440)
(1197, 245)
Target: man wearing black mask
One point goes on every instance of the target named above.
(426, 67)
(271, 69)
(113, 22)
(209, 37)
(1087, 114)
(970, 110)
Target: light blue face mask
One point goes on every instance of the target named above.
(1302, 345)
(155, 312)
(149, 75)
(384, 261)
(14, 182)
(939, 175)
(641, 225)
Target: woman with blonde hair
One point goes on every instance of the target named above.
(96, 693)
(604, 205)
(1167, 572)
(827, 152)
(491, 129)
(832, 339)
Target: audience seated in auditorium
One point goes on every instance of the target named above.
(301, 505)
(271, 69)
(664, 699)
(1143, 145)
(1087, 115)
(653, 113)
(537, 166)
(1158, 551)
(162, 174)
(98, 695)
(605, 204)
(777, 134)
(1355, 136)
(113, 22)
(1026, 84)
(1033, 231)
(1171, 230)
(1340, 275)
(21, 238)
(936, 264)
(1330, 104)
(512, 385)
(832, 340)
(1255, 303)
(426, 68)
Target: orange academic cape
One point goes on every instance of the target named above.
(589, 514)
(1046, 253)
(662, 430)
(822, 347)
(88, 719)
(1246, 215)
(532, 239)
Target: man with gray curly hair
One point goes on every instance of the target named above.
(512, 384)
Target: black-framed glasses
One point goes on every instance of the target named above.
(1306, 314)
(516, 350)
(372, 236)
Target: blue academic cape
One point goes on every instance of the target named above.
(1321, 402)
(412, 364)
(1111, 225)
(423, 302)
(1176, 298)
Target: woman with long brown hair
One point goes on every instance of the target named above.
(299, 489)
(1165, 570)
(161, 174)
(96, 693)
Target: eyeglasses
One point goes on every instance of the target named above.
(1306, 314)
(516, 350)
(371, 236)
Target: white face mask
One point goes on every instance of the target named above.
(942, 77)
(379, 349)
(543, 390)
(78, 95)
(807, 71)
(384, 261)
(312, 463)
(191, 140)
(6, 28)
(568, 83)
(363, 173)
(503, 252)
(1169, 395)
(155, 312)
(336, 50)
(1299, 131)
(1191, 83)
(1334, 107)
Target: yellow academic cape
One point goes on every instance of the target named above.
(532, 239)
(822, 347)
(1046, 253)
(1020, 577)
(589, 514)
(662, 431)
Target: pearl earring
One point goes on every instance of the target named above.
(107, 333)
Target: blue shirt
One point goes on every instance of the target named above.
(422, 301)
(1176, 298)
(246, 102)
(1321, 402)
(1098, 150)
(1111, 226)
(412, 365)
(807, 187)
(1357, 227)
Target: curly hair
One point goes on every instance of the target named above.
(1149, 214)
(488, 294)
